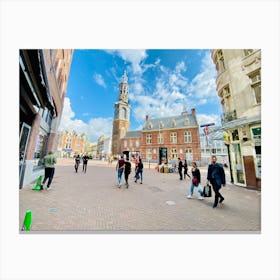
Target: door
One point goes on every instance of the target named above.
(23, 141)
(250, 172)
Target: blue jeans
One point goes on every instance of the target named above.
(140, 174)
(120, 173)
(192, 189)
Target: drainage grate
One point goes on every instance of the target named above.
(170, 202)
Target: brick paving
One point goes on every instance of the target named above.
(92, 203)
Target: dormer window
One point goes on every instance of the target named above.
(173, 123)
(150, 126)
(161, 124)
(186, 122)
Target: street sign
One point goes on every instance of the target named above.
(208, 124)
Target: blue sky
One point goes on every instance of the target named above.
(161, 83)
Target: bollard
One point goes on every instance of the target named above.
(38, 184)
(27, 221)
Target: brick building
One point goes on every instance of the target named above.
(43, 78)
(72, 143)
(165, 139)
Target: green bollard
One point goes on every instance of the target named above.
(27, 221)
(38, 184)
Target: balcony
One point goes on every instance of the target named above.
(228, 117)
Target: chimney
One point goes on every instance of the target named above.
(193, 112)
(147, 118)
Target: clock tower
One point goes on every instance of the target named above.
(121, 122)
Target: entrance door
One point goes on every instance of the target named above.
(250, 172)
(23, 141)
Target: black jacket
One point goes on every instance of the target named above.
(180, 166)
(216, 173)
(196, 174)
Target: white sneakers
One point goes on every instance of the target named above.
(199, 197)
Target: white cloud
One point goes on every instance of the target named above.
(204, 84)
(99, 80)
(93, 129)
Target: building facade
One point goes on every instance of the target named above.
(164, 139)
(239, 88)
(72, 143)
(121, 123)
(43, 78)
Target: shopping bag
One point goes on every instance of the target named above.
(207, 191)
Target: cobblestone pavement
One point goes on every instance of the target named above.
(92, 202)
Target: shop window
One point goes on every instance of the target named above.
(235, 136)
(41, 149)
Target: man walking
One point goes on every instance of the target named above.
(49, 161)
(217, 178)
(120, 168)
(127, 170)
(180, 168)
(85, 159)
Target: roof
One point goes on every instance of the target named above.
(173, 122)
(133, 134)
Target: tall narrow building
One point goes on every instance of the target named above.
(121, 122)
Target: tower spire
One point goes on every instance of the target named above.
(124, 77)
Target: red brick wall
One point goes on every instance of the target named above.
(194, 145)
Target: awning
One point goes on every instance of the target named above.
(242, 121)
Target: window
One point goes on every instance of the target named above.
(235, 135)
(187, 137)
(137, 143)
(220, 63)
(68, 143)
(125, 143)
(189, 155)
(187, 122)
(173, 123)
(173, 137)
(256, 86)
(131, 143)
(124, 113)
(160, 138)
(41, 148)
(149, 139)
(174, 153)
(161, 124)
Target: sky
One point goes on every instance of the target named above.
(161, 83)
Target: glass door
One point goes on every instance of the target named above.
(23, 141)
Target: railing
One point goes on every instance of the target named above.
(228, 117)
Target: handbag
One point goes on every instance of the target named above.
(195, 181)
(207, 191)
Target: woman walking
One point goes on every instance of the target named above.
(195, 182)
(120, 168)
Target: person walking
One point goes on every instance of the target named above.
(195, 182)
(180, 168)
(49, 162)
(85, 159)
(77, 162)
(120, 168)
(136, 161)
(139, 171)
(217, 178)
(186, 169)
(127, 170)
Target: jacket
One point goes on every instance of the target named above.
(49, 161)
(216, 173)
